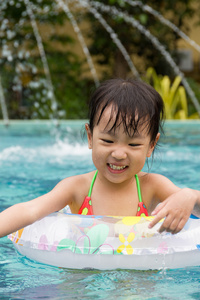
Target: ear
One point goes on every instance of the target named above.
(89, 135)
(152, 145)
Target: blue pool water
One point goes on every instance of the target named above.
(34, 156)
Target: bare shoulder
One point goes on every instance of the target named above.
(153, 178)
(74, 189)
(69, 191)
(76, 183)
(158, 185)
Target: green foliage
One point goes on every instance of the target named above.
(139, 47)
(26, 87)
(195, 86)
(173, 94)
(25, 84)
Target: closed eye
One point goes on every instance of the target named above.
(107, 141)
(134, 145)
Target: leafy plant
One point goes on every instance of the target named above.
(22, 69)
(173, 94)
(138, 46)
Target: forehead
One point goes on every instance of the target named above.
(112, 120)
(107, 117)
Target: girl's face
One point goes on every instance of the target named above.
(116, 155)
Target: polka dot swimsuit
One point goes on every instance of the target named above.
(86, 207)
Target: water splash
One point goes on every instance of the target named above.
(94, 7)
(65, 7)
(3, 105)
(113, 36)
(129, 19)
(164, 21)
(42, 55)
(59, 151)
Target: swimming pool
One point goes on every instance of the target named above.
(34, 156)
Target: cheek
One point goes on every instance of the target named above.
(96, 154)
(139, 159)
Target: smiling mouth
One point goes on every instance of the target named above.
(114, 167)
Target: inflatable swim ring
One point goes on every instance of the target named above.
(107, 242)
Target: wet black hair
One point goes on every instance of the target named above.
(133, 102)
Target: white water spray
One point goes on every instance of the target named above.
(164, 21)
(65, 8)
(3, 105)
(94, 7)
(129, 19)
(42, 55)
(113, 36)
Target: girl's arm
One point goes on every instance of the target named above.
(176, 207)
(23, 214)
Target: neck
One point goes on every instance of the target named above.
(115, 186)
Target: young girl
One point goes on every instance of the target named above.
(123, 130)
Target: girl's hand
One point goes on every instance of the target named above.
(176, 210)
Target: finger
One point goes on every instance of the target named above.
(158, 208)
(166, 225)
(171, 226)
(159, 213)
(157, 219)
(180, 226)
(170, 223)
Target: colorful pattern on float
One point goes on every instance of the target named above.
(89, 237)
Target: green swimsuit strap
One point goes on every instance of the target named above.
(137, 183)
(138, 188)
(92, 183)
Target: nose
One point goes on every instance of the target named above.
(119, 153)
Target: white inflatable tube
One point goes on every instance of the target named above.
(103, 242)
